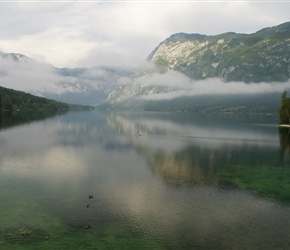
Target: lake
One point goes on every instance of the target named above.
(158, 181)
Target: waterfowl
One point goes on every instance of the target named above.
(91, 196)
(88, 205)
(47, 237)
(87, 226)
(25, 233)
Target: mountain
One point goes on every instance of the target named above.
(228, 72)
(259, 57)
(85, 86)
(223, 73)
(14, 57)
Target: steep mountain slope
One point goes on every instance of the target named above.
(260, 57)
(14, 57)
(186, 72)
(86, 86)
(227, 72)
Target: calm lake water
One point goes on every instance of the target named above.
(159, 181)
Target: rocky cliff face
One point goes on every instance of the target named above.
(260, 57)
(169, 83)
(182, 61)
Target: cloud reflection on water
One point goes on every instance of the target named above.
(203, 216)
(162, 184)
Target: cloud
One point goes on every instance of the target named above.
(97, 33)
(175, 84)
(28, 75)
(43, 79)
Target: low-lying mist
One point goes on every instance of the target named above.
(43, 79)
(28, 76)
(178, 85)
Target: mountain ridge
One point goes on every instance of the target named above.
(176, 68)
(84, 86)
(259, 57)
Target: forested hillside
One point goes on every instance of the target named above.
(12, 100)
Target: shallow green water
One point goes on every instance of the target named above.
(160, 181)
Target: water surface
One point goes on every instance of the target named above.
(159, 181)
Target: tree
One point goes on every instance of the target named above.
(284, 112)
(284, 95)
(0, 102)
(6, 103)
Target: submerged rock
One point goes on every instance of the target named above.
(25, 235)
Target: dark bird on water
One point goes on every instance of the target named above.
(91, 196)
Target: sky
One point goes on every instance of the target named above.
(121, 33)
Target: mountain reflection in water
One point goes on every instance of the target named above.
(195, 147)
(159, 180)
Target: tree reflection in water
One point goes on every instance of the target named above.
(284, 138)
(10, 119)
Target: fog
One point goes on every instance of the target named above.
(176, 85)
(28, 76)
(40, 78)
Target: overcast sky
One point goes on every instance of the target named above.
(120, 33)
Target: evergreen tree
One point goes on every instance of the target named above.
(6, 102)
(284, 112)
